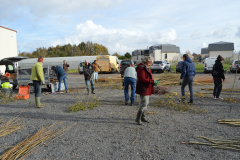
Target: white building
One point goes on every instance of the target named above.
(8, 44)
(137, 55)
(225, 49)
(167, 52)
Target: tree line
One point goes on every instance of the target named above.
(82, 49)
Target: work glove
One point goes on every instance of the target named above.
(155, 83)
(43, 82)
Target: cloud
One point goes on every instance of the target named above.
(41, 9)
(117, 40)
(196, 35)
(220, 33)
(238, 32)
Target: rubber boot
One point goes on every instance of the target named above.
(38, 104)
(143, 118)
(190, 102)
(88, 91)
(138, 119)
(93, 91)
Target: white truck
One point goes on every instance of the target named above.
(208, 64)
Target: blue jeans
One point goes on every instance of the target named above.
(132, 82)
(95, 75)
(64, 79)
(187, 80)
(87, 83)
(37, 88)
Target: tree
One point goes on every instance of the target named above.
(116, 54)
(128, 55)
(121, 57)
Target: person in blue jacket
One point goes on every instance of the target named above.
(62, 76)
(188, 74)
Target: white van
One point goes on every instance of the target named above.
(208, 64)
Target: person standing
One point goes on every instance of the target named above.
(144, 88)
(37, 76)
(130, 77)
(218, 77)
(65, 66)
(188, 74)
(88, 74)
(96, 70)
(61, 76)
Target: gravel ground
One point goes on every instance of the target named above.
(109, 131)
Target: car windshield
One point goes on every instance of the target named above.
(157, 62)
(237, 62)
(126, 62)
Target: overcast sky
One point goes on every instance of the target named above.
(122, 25)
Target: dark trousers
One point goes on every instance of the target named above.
(37, 88)
(187, 80)
(217, 87)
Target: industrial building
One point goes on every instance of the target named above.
(8, 44)
(225, 49)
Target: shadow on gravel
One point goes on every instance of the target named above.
(68, 118)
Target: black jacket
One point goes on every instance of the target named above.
(88, 71)
(218, 67)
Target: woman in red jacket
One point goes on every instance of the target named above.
(144, 87)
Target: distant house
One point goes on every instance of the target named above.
(204, 53)
(166, 52)
(138, 54)
(8, 44)
(225, 49)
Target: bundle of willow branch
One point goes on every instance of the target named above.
(231, 122)
(224, 89)
(232, 144)
(161, 90)
(6, 127)
(27, 146)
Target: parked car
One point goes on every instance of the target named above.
(80, 67)
(208, 64)
(179, 67)
(11, 67)
(235, 66)
(124, 63)
(160, 66)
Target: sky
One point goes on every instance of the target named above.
(122, 25)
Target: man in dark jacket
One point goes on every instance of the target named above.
(88, 70)
(188, 74)
(218, 77)
(61, 75)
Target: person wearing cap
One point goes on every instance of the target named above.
(61, 75)
(65, 66)
(96, 70)
(37, 76)
(88, 75)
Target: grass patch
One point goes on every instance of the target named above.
(200, 67)
(73, 71)
(6, 98)
(231, 100)
(83, 106)
(171, 101)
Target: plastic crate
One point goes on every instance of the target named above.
(23, 93)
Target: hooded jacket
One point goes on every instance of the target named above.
(188, 68)
(144, 80)
(219, 68)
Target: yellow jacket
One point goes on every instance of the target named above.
(37, 72)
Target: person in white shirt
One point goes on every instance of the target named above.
(130, 78)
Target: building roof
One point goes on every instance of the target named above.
(204, 50)
(221, 46)
(8, 29)
(165, 48)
